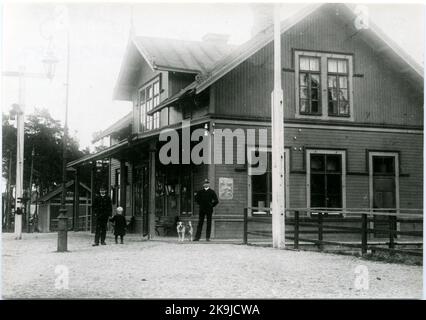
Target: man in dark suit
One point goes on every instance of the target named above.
(207, 200)
(102, 209)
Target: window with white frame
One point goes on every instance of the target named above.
(149, 98)
(326, 179)
(310, 85)
(323, 85)
(338, 94)
(260, 181)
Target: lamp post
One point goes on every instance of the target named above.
(59, 20)
(50, 62)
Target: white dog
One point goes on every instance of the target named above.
(189, 230)
(180, 231)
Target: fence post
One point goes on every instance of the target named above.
(296, 229)
(320, 232)
(245, 226)
(364, 233)
(392, 228)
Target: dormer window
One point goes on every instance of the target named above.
(149, 96)
(323, 86)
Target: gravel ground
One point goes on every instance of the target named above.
(168, 269)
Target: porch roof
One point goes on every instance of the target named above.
(116, 126)
(58, 190)
(99, 155)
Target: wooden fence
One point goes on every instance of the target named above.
(367, 227)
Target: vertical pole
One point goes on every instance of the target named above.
(123, 185)
(152, 183)
(320, 231)
(8, 193)
(20, 156)
(92, 196)
(296, 230)
(30, 188)
(245, 226)
(364, 234)
(392, 225)
(76, 219)
(277, 113)
(63, 212)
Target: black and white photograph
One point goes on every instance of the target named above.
(212, 150)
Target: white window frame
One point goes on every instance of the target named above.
(154, 123)
(324, 56)
(249, 176)
(309, 152)
(371, 154)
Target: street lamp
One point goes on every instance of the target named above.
(50, 62)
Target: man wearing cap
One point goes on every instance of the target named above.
(207, 200)
(102, 209)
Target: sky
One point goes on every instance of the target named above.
(98, 36)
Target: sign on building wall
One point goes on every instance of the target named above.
(226, 188)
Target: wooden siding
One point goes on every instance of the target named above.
(357, 145)
(381, 94)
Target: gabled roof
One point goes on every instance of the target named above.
(160, 51)
(58, 190)
(116, 126)
(189, 56)
(372, 35)
(167, 55)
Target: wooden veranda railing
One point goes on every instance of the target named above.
(366, 229)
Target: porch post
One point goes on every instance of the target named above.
(76, 199)
(123, 186)
(151, 217)
(92, 196)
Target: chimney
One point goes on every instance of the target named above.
(262, 17)
(216, 38)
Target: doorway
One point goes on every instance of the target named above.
(384, 187)
(141, 196)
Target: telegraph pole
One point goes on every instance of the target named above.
(277, 129)
(20, 155)
(8, 193)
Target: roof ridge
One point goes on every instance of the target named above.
(244, 51)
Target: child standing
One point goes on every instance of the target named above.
(119, 224)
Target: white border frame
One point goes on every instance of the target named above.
(323, 65)
(286, 175)
(308, 174)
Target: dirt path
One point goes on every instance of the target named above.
(159, 269)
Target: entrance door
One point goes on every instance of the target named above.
(383, 187)
(141, 189)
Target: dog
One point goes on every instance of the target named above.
(189, 230)
(180, 227)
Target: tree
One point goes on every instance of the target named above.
(43, 134)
